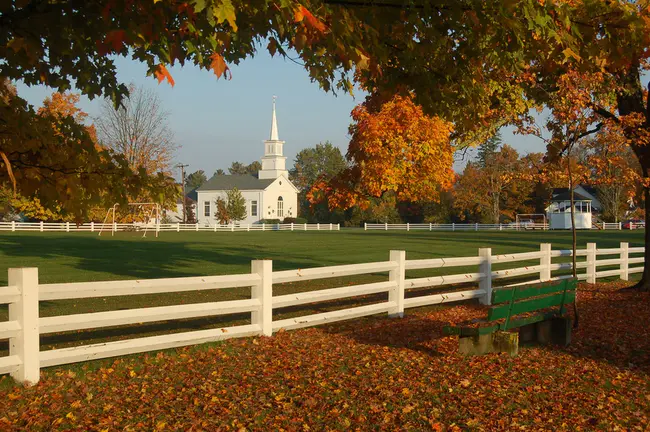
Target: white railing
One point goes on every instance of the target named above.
(610, 225)
(24, 293)
(455, 226)
(178, 227)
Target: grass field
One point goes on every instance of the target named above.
(77, 257)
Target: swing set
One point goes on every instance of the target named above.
(144, 213)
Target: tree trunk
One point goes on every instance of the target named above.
(644, 283)
(630, 101)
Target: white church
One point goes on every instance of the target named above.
(269, 195)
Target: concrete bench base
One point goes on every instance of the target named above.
(556, 331)
(496, 342)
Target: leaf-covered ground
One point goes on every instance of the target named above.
(365, 374)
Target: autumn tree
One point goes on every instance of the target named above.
(221, 213)
(613, 170)
(319, 163)
(495, 187)
(195, 180)
(139, 130)
(50, 155)
(394, 148)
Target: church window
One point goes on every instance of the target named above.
(280, 212)
(253, 208)
(206, 208)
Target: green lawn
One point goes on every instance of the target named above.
(78, 257)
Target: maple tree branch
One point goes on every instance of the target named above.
(372, 3)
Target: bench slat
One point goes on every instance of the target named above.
(503, 295)
(524, 306)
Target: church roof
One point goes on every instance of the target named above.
(241, 182)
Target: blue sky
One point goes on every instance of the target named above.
(216, 122)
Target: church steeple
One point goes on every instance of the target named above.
(274, 125)
(273, 161)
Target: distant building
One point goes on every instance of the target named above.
(558, 212)
(176, 215)
(269, 194)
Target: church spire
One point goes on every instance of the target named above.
(274, 124)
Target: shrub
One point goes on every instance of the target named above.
(297, 220)
(270, 221)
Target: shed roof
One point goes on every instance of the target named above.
(566, 196)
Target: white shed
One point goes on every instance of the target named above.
(559, 212)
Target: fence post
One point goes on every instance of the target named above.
(291, 226)
(408, 226)
(500, 227)
(397, 276)
(263, 291)
(25, 311)
(114, 228)
(386, 226)
(338, 227)
(67, 227)
(485, 268)
(305, 226)
(318, 226)
(591, 263)
(545, 262)
(178, 227)
(196, 227)
(620, 227)
(92, 226)
(330, 227)
(365, 226)
(41, 226)
(476, 227)
(453, 226)
(13, 226)
(263, 227)
(625, 255)
(248, 227)
(430, 226)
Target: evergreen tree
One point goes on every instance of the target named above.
(488, 149)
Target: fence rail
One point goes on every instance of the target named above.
(178, 227)
(476, 226)
(455, 227)
(23, 294)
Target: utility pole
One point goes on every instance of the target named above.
(182, 167)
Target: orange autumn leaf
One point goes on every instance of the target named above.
(302, 13)
(162, 73)
(298, 14)
(219, 66)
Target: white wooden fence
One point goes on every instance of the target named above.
(24, 292)
(178, 227)
(455, 226)
(481, 227)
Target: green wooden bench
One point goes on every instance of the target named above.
(523, 307)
